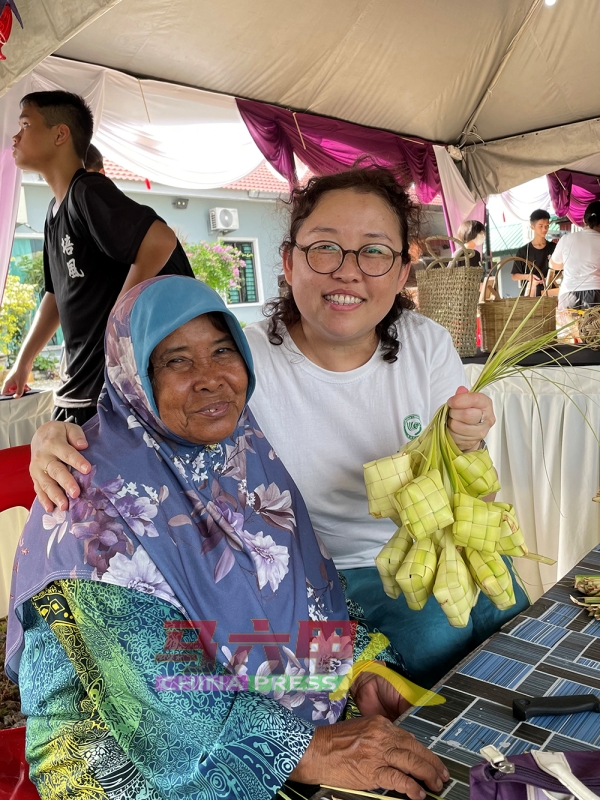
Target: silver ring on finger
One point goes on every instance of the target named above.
(482, 420)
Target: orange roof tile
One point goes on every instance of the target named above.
(262, 179)
(117, 173)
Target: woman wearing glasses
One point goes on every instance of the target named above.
(347, 372)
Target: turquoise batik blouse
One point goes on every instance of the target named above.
(97, 726)
(129, 741)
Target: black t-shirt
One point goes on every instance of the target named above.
(538, 257)
(89, 246)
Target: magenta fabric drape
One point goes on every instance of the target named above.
(572, 192)
(330, 145)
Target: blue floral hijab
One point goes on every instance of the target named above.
(220, 532)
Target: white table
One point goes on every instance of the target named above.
(548, 462)
(19, 419)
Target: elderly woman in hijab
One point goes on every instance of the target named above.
(160, 635)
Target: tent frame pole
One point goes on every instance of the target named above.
(467, 130)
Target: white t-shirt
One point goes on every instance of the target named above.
(325, 425)
(580, 254)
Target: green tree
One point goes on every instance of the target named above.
(32, 268)
(17, 304)
(217, 264)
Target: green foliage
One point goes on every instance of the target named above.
(17, 305)
(32, 268)
(217, 264)
(45, 363)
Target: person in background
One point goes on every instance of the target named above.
(98, 243)
(94, 162)
(472, 233)
(537, 252)
(578, 256)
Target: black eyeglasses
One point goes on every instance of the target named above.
(373, 260)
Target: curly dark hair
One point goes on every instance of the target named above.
(364, 177)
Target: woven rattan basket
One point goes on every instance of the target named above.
(588, 327)
(501, 317)
(448, 294)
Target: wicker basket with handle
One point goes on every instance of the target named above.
(448, 294)
(501, 317)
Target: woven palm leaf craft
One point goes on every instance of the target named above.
(452, 535)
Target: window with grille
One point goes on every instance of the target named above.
(248, 291)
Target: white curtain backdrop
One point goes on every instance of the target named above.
(516, 204)
(458, 198)
(548, 462)
(169, 134)
(10, 176)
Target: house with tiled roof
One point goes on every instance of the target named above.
(249, 206)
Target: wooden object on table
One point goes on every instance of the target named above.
(448, 295)
(500, 318)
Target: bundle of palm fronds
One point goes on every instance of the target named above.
(451, 535)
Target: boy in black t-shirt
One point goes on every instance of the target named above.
(537, 252)
(98, 243)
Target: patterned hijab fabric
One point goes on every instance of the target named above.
(220, 532)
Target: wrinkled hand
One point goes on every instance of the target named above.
(376, 696)
(470, 418)
(55, 445)
(370, 754)
(15, 382)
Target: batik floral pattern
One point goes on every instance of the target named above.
(220, 532)
(224, 519)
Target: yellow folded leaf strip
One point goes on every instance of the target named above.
(417, 573)
(491, 574)
(512, 541)
(477, 473)
(423, 505)
(390, 558)
(452, 548)
(383, 478)
(454, 588)
(476, 523)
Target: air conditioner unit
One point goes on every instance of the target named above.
(224, 219)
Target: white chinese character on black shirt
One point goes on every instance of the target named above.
(67, 245)
(73, 271)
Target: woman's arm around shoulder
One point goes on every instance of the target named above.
(54, 448)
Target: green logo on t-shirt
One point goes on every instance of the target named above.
(412, 426)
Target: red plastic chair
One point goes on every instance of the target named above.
(14, 770)
(16, 486)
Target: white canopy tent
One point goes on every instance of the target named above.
(506, 83)
(506, 87)
(512, 82)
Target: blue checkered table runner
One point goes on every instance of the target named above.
(553, 648)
